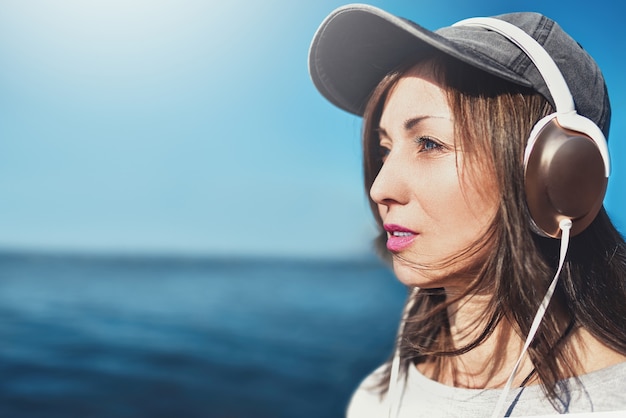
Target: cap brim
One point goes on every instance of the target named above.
(357, 45)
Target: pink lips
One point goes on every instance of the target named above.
(399, 237)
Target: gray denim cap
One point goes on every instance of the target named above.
(357, 45)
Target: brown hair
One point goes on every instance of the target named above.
(494, 118)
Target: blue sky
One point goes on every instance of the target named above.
(191, 127)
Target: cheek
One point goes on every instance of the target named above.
(440, 193)
(478, 204)
(460, 208)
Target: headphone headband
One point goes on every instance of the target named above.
(566, 113)
(538, 55)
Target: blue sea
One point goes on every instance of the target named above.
(104, 336)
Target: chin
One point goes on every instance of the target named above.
(425, 277)
(415, 275)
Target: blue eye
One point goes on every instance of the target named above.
(428, 144)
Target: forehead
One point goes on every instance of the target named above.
(416, 93)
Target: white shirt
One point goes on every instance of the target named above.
(603, 390)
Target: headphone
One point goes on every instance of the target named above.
(566, 161)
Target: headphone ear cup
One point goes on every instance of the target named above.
(565, 177)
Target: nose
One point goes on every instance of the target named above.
(389, 186)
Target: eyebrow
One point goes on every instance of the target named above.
(410, 123)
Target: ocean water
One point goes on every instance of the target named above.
(186, 337)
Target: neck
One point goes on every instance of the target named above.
(487, 365)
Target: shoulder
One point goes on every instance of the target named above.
(604, 388)
(367, 400)
(599, 391)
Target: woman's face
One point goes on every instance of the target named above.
(431, 208)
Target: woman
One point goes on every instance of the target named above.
(472, 222)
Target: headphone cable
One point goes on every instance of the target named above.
(565, 225)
